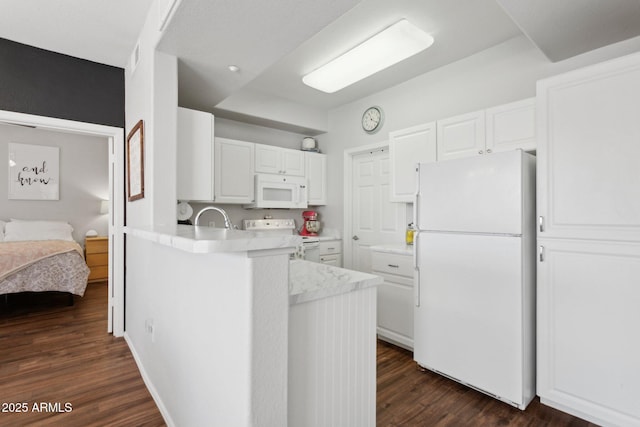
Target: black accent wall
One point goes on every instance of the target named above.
(45, 83)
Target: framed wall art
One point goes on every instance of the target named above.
(135, 162)
(34, 172)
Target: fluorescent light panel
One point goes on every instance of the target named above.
(388, 47)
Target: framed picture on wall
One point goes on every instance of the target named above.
(34, 172)
(135, 162)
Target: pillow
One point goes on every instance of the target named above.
(2, 223)
(18, 230)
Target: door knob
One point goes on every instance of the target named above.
(355, 238)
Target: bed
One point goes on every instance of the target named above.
(40, 256)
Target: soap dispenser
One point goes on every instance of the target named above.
(409, 234)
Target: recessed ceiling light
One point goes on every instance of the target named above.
(388, 47)
(234, 68)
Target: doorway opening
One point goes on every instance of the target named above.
(115, 139)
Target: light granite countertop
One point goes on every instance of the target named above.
(209, 240)
(394, 248)
(309, 281)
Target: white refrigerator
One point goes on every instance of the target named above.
(475, 273)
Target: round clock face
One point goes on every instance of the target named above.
(372, 119)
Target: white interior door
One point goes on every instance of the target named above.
(374, 219)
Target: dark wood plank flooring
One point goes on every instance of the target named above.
(55, 354)
(408, 396)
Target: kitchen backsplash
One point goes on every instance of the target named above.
(237, 214)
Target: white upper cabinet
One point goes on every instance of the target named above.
(276, 160)
(588, 152)
(512, 126)
(461, 136)
(407, 148)
(316, 167)
(195, 155)
(234, 171)
(502, 128)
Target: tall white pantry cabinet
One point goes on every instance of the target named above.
(588, 312)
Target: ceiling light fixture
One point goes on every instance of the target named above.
(233, 68)
(388, 47)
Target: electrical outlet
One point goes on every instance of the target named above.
(212, 223)
(150, 329)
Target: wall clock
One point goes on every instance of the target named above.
(372, 119)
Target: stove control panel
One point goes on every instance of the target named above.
(269, 225)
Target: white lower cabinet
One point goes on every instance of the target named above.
(395, 296)
(330, 252)
(588, 319)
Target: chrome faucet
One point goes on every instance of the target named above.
(227, 220)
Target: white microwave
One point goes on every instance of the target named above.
(279, 191)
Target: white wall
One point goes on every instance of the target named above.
(504, 73)
(84, 180)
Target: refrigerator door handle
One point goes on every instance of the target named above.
(416, 269)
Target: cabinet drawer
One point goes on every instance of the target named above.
(96, 245)
(330, 247)
(334, 259)
(99, 273)
(96, 260)
(401, 265)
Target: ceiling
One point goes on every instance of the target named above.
(276, 42)
(103, 31)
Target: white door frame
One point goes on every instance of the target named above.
(115, 137)
(349, 154)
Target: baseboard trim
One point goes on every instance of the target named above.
(147, 381)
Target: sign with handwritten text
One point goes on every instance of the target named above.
(34, 172)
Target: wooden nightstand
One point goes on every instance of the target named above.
(96, 251)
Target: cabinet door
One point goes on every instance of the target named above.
(512, 126)
(195, 155)
(587, 327)
(461, 136)
(395, 311)
(234, 171)
(268, 159)
(316, 168)
(395, 297)
(293, 162)
(588, 151)
(408, 147)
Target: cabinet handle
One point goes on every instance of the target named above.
(331, 249)
(393, 265)
(480, 152)
(541, 253)
(541, 223)
(488, 150)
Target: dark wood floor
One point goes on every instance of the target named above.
(55, 354)
(408, 396)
